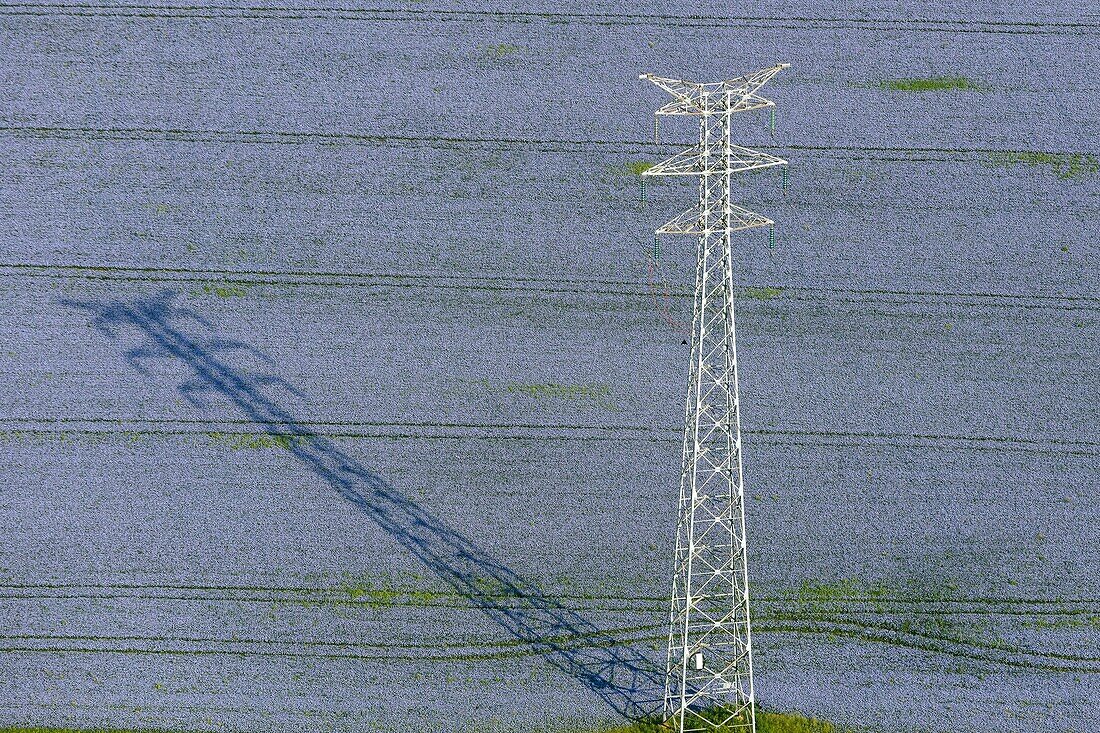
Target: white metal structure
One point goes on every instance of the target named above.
(708, 682)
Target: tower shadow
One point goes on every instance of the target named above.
(621, 675)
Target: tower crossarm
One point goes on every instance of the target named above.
(713, 157)
(731, 95)
(697, 221)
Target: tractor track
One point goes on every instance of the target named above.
(605, 19)
(532, 431)
(534, 285)
(845, 153)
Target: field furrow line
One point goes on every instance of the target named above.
(605, 19)
(931, 643)
(528, 431)
(541, 285)
(282, 137)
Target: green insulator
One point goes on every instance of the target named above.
(771, 236)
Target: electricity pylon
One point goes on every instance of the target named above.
(708, 681)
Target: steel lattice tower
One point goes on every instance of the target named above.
(708, 681)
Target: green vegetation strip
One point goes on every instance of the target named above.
(934, 84)
(94, 730)
(1066, 166)
(764, 293)
(767, 721)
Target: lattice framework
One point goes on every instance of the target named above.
(708, 681)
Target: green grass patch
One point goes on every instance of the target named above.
(383, 596)
(500, 50)
(933, 84)
(372, 596)
(221, 290)
(814, 598)
(765, 293)
(362, 591)
(1065, 166)
(566, 391)
(1072, 622)
(767, 721)
(599, 394)
(254, 441)
(775, 722)
(638, 167)
(839, 590)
